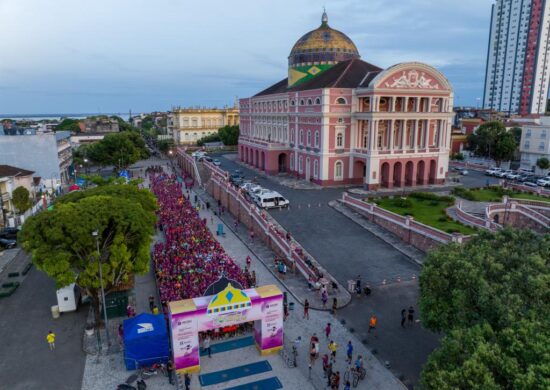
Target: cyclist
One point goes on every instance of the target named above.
(359, 363)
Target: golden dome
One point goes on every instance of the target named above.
(322, 45)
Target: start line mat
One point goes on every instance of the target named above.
(234, 373)
(272, 383)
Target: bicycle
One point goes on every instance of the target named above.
(356, 373)
(290, 358)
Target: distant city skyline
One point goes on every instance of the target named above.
(115, 56)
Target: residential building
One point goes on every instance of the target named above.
(11, 178)
(188, 125)
(99, 125)
(516, 76)
(535, 143)
(49, 155)
(339, 120)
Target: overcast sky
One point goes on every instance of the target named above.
(70, 56)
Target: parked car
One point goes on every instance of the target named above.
(544, 182)
(206, 158)
(9, 233)
(491, 171)
(217, 162)
(529, 184)
(503, 174)
(7, 243)
(271, 199)
(236, 178)
(462, 171)
(513, 176)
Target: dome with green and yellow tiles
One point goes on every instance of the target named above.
(317, 51)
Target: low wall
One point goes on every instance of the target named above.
(407, 229)
(519, 187)
(519, 215)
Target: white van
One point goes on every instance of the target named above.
(271, 199)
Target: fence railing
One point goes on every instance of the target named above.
(405, 222)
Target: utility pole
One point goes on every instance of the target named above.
(95, 233)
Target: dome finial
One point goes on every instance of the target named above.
(324, 18)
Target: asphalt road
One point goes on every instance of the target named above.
(345, 249)
(26, 363)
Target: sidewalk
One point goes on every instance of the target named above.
(378, 377)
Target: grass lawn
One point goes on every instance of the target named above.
(494, 195)
(428, 212)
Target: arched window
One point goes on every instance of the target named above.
(309, 102)
(317, 101)
(309, 138)
(365, 140)
(338, 170)
(340, 120)
(341, 100)
(302, 103)
(301, 137)
(316, 169)
(339, 140)
(291, 162)
(293, 102)
(317, 139)
(300, 167)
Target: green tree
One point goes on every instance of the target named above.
(209, 138)
(61, 242)
(165, 145)
(492, 140)
(229, 135)
(69, 124)
(491, 297)
(21, 199)
(543, 163)
(119, 149)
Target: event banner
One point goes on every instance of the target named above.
(231, 306)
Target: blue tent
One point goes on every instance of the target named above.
(145, 341)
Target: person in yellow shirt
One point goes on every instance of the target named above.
(155, 310)
(332, 346)
(50, 338)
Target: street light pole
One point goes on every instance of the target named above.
(95, 233)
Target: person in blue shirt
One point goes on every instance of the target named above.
(349, 352)
(359, 362)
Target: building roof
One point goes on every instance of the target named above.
(323, 43)
(9, 171)
(352, 73)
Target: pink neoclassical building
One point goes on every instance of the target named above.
(339, 120)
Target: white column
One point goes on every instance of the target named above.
(403, 131)
(415, 137)
(392, 124)
(393, 98)
(406, 104)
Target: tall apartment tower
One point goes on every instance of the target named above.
(516, 78)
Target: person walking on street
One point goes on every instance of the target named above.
(358, 285)
(187, 381)
(336, 381)
(151, 303)
(248, 262)
(324, 297)
(347, 386)
(332, 347)
(120, 334)
(330, 374)
(170, 370)
(206, 345)
(410, 316)
(306, 309)
(372, 323)
(325, 365)
(50, 338)
(349, 352)
(403, 317)
(327, 330)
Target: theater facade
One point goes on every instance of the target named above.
(338, 120)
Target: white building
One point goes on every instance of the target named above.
(516, 78)
(535, 143)
(49, 155)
